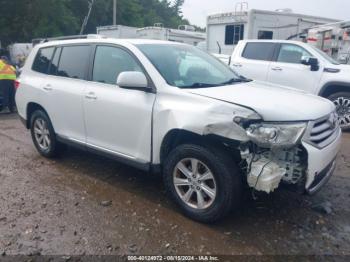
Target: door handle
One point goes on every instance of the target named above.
(237, 65)
(277, 69)
(47, 88)
(91, 96)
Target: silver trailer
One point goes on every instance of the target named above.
(118, 31)
(224, 30)
(183, 34)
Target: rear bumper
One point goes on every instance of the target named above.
(321, 164)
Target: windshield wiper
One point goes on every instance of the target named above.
(236, 80)
(199, 85)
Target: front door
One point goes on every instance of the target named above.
(118, 120)
(288, 70)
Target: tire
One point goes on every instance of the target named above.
(53, 147)
(227, 182)
(342, 102)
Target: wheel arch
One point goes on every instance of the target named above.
(334, 87)
(176, 137)
(31, 108)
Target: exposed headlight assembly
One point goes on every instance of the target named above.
(269, 135)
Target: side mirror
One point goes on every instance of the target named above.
(132, 80)
(311, 61)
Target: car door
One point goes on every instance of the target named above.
(118, 120)
(288, 70)
(64, 86)
(254, 61)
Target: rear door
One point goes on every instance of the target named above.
(254, 61)
(288, 70)
(64, 87)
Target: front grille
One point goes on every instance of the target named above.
(324, 131)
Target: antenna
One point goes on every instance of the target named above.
(114, 12)
(86, 19)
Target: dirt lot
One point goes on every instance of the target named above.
(85, 204)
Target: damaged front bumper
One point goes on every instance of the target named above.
(306, 167)
(321, 163)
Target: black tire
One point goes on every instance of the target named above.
(225, 172)
(55, 147)
(344, 116)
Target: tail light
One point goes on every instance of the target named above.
(17, 83)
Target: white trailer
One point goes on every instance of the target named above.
(117, 31)
(224, 30)
(333, 39)
(19, 52)
(186, 35)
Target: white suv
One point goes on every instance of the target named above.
(297, 65)
(172, 108)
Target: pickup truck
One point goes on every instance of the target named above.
(297, 65)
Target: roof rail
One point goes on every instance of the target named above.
(70, 37)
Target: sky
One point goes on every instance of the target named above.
(196, 11)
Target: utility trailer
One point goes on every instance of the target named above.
(184, 34)
(225, 30)
(19, 52)
(117, 31)
(333, 39)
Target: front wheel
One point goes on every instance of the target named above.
(342, 102)
(204, 183)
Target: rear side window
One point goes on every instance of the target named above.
(259, 51)
(110, 62)
(74, 61)
(43, 59)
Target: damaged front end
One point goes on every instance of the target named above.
(274, 156)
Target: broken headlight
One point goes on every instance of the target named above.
(268, 135)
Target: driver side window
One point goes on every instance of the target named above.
(110, 62)
(291, 54)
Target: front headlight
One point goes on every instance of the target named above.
(270, 135)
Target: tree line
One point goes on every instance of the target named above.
(24, 20)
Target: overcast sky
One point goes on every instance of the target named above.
(197, 10)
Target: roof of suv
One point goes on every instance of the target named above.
(105, 40)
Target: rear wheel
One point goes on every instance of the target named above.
(43, 135)
(204, 183)
(342, 102)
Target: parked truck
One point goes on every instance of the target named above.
(225, 30)
(297, 65)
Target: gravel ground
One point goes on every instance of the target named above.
(85, 204)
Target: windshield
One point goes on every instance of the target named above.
(325, 56)
(186, 66)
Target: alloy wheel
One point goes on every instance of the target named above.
(194, 183)
(343, 110)
(42, 134)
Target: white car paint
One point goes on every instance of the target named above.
(133, 124)
(298, 76)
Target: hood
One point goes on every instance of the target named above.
(272, 102)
